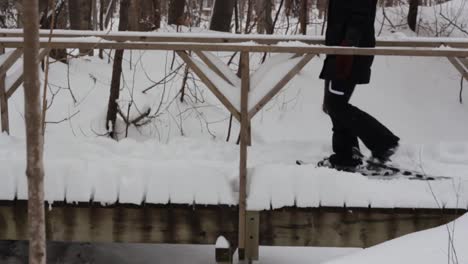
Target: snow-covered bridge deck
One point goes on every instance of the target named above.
(186, 192)
(204, 172)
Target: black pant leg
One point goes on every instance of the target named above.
(355, 122)
(337, 95)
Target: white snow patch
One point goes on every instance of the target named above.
(222, 242)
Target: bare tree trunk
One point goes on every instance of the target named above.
(176, 12)
(54, 19)
(19, 10)
(113, 106)
(134, 15)
(259, 14)
(144, 15)
(147, 13)
(34, 137)
(163, 8)
(95, 12)
(102, 10)
(242, 9)
(304, 17)
(222, 15)
(109, 12)
(80, 17)
(413, 14)
(248, 20)
(267, 19)
(288, 7)
(322, 6)
(157, 13)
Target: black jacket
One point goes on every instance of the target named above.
(350, 23)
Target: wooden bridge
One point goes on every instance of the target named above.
(246, 229)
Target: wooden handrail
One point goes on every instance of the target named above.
(233, 38)
(239, 47)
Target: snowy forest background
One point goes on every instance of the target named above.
(160, 101)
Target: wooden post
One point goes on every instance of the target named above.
(244, 134)
(3, 103)
(252, 235)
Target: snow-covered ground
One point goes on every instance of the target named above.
(445, 244)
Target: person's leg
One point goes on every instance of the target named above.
(379, 139)
(344, 142)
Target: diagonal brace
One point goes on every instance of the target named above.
(213, 67)
(12, 58)
(206, 80)
(461, 65)
(285, 80)
(464, 61)
(11, 90)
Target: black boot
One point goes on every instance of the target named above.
(343, 163)
(383, 157)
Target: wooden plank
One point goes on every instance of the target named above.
(381, 51)
(229, 38)
(457, 63)
(12, 58)
(4, 113)
(194, 224)
(12, 89)
(212, 66)
(285, 80)
(464, 61)
(187, 59)
(244, 134)
(4, 123)
(346, 227)
(125, 223)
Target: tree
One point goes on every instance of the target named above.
(80, 12)
(322, 6)
(264, 19)
(8, 14)
(157, 13)
(113, 106)
(176, 12)
(106, 12)
(34, 137)
(413, 14)
(53, 19)
(144, 15)
(222, 15)
(304, 16)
